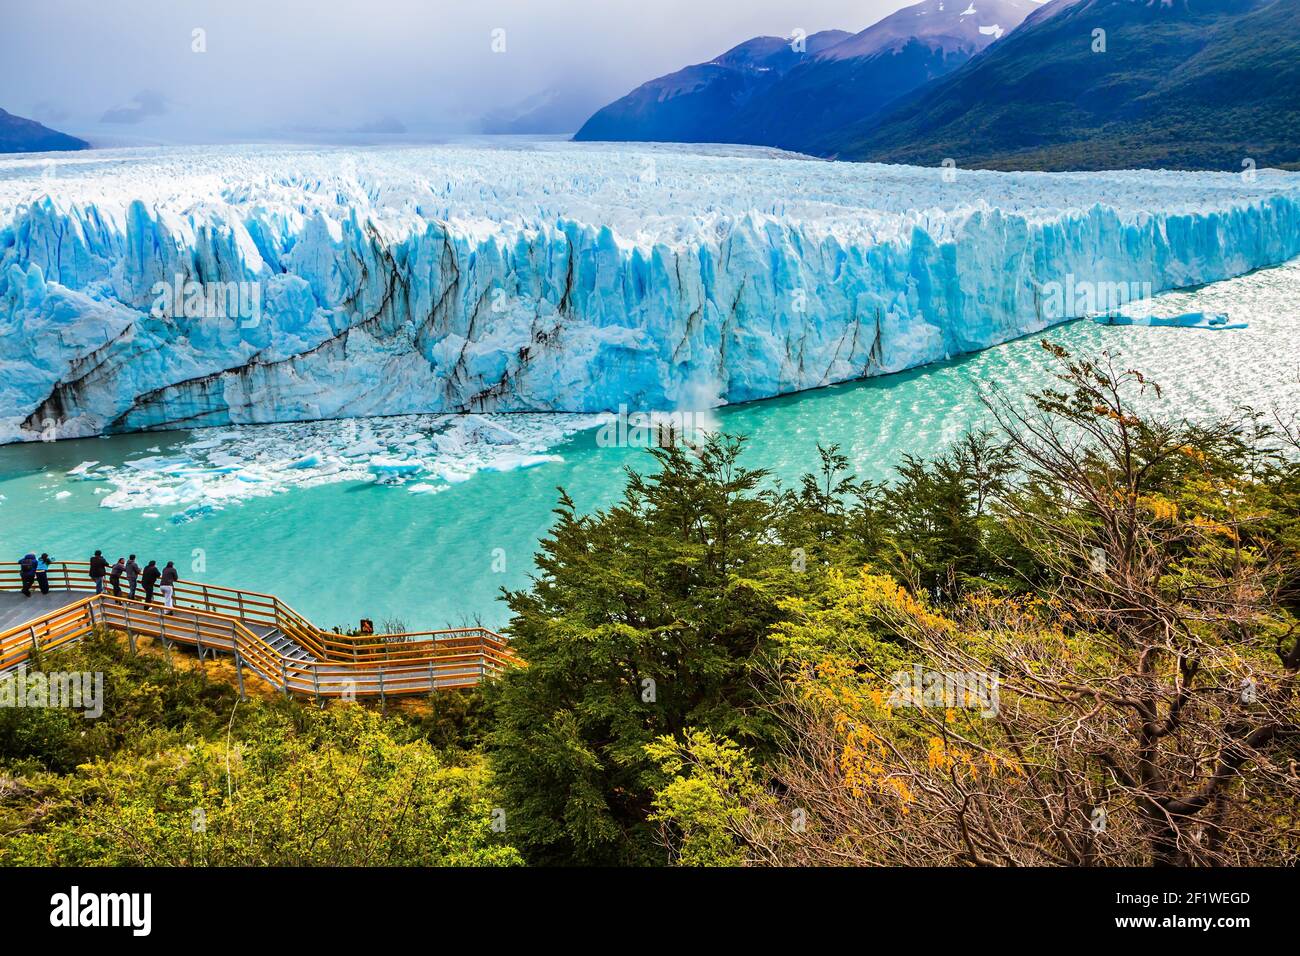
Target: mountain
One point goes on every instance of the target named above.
(554, 110)
(809, 105)
(21, 135)
(764, 92)
(694, 104)
(1201, 84)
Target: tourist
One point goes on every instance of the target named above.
(150, 577)
(115, 576)
(43, 572)
(132, 573)
(169, 578)
(27, 570)
(98, 568)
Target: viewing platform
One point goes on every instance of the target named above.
(261, 633)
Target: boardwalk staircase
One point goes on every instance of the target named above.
(259, 631)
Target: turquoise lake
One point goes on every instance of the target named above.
(338, 552)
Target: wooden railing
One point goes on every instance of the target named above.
(217, 619)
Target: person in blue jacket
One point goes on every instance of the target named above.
(43, 572)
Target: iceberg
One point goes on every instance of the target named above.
(241, 285)
(392, 469)
(1188, 320)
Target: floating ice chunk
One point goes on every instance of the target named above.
(1188, 320)
(424, 488)
(192, 513)
(192, 472)
(481, 429)
(63, 494)
(156, 463)
(84, 467)
(363, 449)
(515, 462)
(394, 467)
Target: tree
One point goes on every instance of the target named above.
(1146, 690)
(645, 620)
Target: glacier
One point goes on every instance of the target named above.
(551, 277)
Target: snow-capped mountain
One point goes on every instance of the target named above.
(811, 104)
(775, 92)
(951, 25)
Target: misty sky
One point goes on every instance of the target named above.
(124, 71)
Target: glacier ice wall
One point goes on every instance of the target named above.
(558, 277)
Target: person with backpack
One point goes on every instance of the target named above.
(43, 572)
(27, 571)
(115, 576)
(98, 568)
(132, 574)
(169, 579)
(149, 577)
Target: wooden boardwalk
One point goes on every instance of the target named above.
(16, 610)
(259, 631)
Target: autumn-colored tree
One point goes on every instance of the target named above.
(1146, 678)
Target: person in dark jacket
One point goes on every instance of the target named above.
(115, 576)
(98, 568)
(27, 571)
(43, 572)
(169, 579)
(149, 577)
(132, 576)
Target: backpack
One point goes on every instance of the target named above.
(28, 565)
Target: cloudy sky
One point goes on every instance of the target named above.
(127, 70)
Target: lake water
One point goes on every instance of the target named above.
(341, 550)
